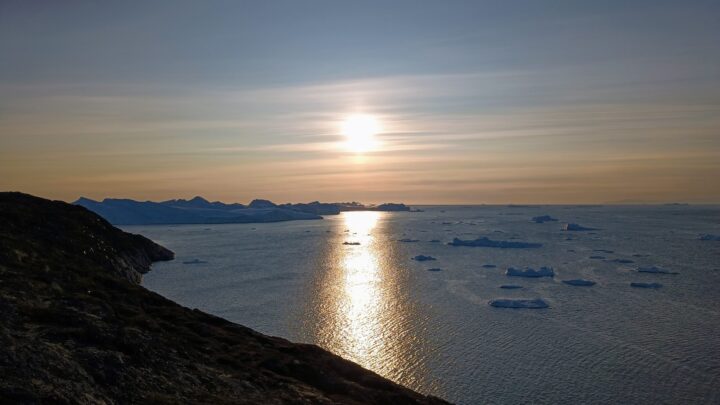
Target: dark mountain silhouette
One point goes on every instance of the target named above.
(195, 211)
(201, 211)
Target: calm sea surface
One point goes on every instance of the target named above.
(434, 330)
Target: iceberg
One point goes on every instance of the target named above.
(510, 286)
(407, 240)
(597, 257)
(530, 272)
(621, 261)
(423, 258)
(708, 236)
(521, 303)
(194, 261)
(543, 218)
(392, 207)
(487, 242)
(434, 269)
(579, 282)
(576, 227)
(646, 285)
(489, 266)
(654, 270)
(351, 243)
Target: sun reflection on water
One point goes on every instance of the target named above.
(360, 305)
(360, 302)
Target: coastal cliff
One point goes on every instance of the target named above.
(75, 327)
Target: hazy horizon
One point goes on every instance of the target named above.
(526, 102)
(345, 200)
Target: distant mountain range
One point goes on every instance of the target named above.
(201, 211)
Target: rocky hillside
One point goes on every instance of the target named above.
(75, 327)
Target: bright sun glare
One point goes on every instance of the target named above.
(360, 131)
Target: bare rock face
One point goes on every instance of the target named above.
(76, 328)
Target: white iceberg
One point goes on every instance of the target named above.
(646, 285)
(543, 218)
(520, 303)
(487, 242)
(654, 270)
(194, 261)
(530, 272)
(576, 227)
(579, 282)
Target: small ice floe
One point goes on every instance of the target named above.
(194, 261)
(543, 218)
(530, 272)
(489, 266)
(434, 269)
(707, 236)
(408, 240)
(621, 261)
(640, 255)
(423, 258)
(510, 286)
(598, 257)
(603, 251)
(487, 242)
(655, 270)
(434, 241)
(579, 282)
(576, 227)
(521, 303)
(646, 285)
(351, 243)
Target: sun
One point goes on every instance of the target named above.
(360, 131)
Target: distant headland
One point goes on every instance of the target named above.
(198, 210)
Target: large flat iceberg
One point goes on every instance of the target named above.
(423, 258)
(543, 218)
(654, 270)
(646, 285)
(530, 272)
(576, 227)
(579, 282)
(521, 303)
(487, 242)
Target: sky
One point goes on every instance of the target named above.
(478, 101)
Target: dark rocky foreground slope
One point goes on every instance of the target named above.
(76, 328)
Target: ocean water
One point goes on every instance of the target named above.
(434, 330)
